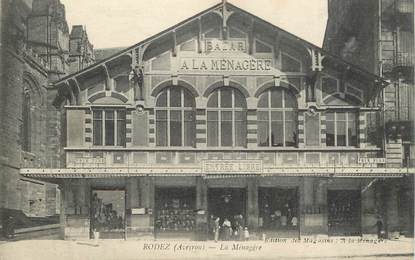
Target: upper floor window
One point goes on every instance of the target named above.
(26, 122)
(226, 118)
(341, 128)
(109, 127)
(175, 117)
(277, 118)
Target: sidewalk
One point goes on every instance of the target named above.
(338, 248)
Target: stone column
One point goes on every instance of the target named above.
(252, 204)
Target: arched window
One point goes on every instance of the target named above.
(25, 131)
(175, 117)
(277, 118)
(226, 118)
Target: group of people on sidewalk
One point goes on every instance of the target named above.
(227, 228)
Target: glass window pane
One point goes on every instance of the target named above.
(276, 98)
(276, 116)
(352, 129)
(109, 115)
(97, 131)
(188, 98)
(212, 129)
(263, 100)
(189, 128)
(161, 128)
(175, 128)
(330, 133)
(240, 115)
(240, 133)
(121, 128)
(340, 116)
(330, 116)
(175, 97)
(120, 114)
(341, 133)
(213, 100)
(97, 114)
(290, 100)
(263, 133)
(226, 133)
(226, 116)
(162, 99)
(109, 128)
(121, 133)
(239, 99)
(277, 133)
(226, 97)
(290, 133)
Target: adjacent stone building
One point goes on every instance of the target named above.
(34, 52)
(227, 116)
(378, 35)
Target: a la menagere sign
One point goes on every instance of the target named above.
(227, 61)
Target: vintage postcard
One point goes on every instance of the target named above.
(184, 129)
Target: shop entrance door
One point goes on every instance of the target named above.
(227, 204)
(344, 212)
(108, 213)
(279, 212)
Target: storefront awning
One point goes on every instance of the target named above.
(340, 172)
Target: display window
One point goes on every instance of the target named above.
(278, 209)
(108, 213)
(344, 212)
(175, 210)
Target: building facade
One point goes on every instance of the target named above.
(379, 36)
(34, 52)
(225, 116)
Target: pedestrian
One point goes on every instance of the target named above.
(380, 228)
(227, 230)
(246, 234)
(216, 229)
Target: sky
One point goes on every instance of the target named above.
(122, 23)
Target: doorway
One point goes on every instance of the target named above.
(344, 207)
(227, 204)
(108, 213)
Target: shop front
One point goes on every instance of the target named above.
(227, 207)
(344, 212)
(175, 210)
(107, 214)
(279, 211)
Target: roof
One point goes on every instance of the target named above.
(307, 43)
(102, 54)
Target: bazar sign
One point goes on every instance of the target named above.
(225, 64)
(212, 45)
(371, 160)
(232, 166)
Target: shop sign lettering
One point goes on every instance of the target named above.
(212, 45)
(89, 160)
(365, 160)
(232, 166)
(225, 64)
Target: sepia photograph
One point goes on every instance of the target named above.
(207, 129)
